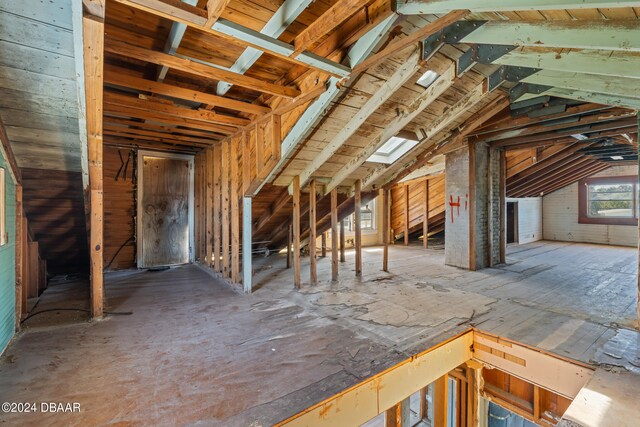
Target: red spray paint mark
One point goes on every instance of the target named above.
(452, 204)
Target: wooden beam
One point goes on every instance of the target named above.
(124, 80)
(236, 34)
(217, 206)
(247, 271)
(404, 72)
(214, 10)
(313, 270)
(611, 35)
(224, 122)
(606, 85)
(425, 218)
(385, 228)
(225, 200)
(235, 211)
(419, 104)
(441, 401)
(289, 242)
(422, 33)
(334, 235)
(323, 241)
(209, 207)
(357, 201)
(424, 7)
(405, 201)
(93, 35)
(593, 96)
(7, 153)
(326, 23)
(343, 257)
(296, 232)
(305, 123)
(20, 282)
(192, 67)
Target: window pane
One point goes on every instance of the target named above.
(611, 201)
(611, 208)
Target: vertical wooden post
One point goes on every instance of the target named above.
(93, 40)
(19, 259)
(343, 258)
(334, 235)
(289, 242)
(536, 403)
(472, 206)
(424, 409)
(406, 215)
(247, 270)
(313, 270)
(209, 206)
(217, 205)
(440, 401)
(296, 231)
(503, 207)
(385, 229)
(638, 275)
(357, 227)
(235, 211)
(324, 245)
(25, 262)
(398, 415)
(425, 219)
(225, 208)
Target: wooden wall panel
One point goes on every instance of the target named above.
(416, 205)
(119, 210)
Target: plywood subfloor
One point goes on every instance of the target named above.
(195, 351)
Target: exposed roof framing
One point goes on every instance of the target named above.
(420, 7)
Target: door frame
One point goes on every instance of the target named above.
(140, 181)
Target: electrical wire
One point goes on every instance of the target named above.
(111, 313)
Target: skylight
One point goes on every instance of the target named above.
(617, 157)
(427, 79)
(392, 150)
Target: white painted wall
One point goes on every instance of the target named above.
(560, 217)
(529, 219)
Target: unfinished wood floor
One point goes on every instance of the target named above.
(195, 351)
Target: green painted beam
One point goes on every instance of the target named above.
(616, 86)
(616, 35)
(598, 98)
(419, 7)
(603, 63)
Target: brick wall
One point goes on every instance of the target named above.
(456, 249)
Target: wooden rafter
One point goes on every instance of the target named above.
(192, 67)
(214, 10)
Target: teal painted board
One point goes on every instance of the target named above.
(8, 263)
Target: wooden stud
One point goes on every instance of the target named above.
(313, 270)
(235, 211)
(343, 257)
(209, 207)
(392, 416)
(406, 214)
(638, 311)
(247, 271)
(296, 232)
(334, 235)
(225, 221)
(424, 408)
(289, 242)
(503, 206)
(324, 245)
(472, 206)
(93, 35)
(25, 262)
(217, 205)
(425, 219)
(385, 228)
(358, 227)
(536, 402)
(441, 401)
(214, 10)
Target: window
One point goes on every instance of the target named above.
(3, 209)
(367, 217)
(608, 200)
